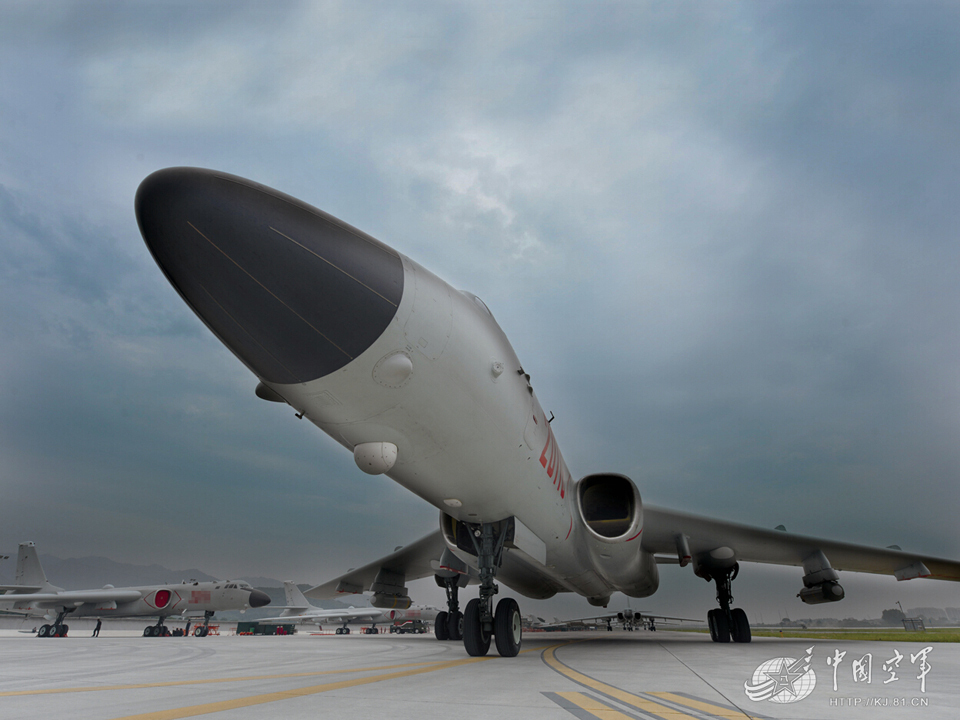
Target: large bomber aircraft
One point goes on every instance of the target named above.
(33, 595)
(419, 382)
(299, 610)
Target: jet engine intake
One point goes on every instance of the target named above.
(611, 517)
(610, 506)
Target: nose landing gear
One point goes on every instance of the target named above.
(480, 623)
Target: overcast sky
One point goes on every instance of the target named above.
(721, 237)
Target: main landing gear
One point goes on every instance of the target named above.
(58, 629)
(449, 623)
(726, 624)
(343, 630)
(480, 622)
(158, 630)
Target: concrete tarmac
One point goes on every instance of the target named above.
(588, 675)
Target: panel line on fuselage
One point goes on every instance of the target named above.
(269, 291)
(333, 265)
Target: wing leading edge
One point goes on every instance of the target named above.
(411, 562)
(676, 534)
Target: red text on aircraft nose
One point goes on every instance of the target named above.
(553, 465)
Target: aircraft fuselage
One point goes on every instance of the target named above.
(385, 357)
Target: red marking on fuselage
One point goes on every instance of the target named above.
(553, 463)
(635, 536)
(571, 527)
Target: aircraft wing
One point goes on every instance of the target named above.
(662, 527)
(73, 597)
(411, 562)
(327, 616)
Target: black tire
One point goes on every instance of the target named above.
(719, 626)
(43, 631)
(740, 628)
(475, 641)
(508, 628)
(148, 631)
(65, 630)
(455, 626)
(441, 627)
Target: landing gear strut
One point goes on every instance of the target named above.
(480, 622)
(725, 623)
(158, 630)
(58, 629)
(203, 630)
(449, 624)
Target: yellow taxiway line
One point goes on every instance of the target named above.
(627, 698)
(404, 670)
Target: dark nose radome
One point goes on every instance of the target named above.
(258, 598)
(295, 293)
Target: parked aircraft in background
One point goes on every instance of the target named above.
(630, 619)
(299, 610)
(419, 382)
(33, 595)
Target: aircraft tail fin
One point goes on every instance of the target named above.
(295, 597)
(29, 569)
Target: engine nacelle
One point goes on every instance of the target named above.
(611, 515)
